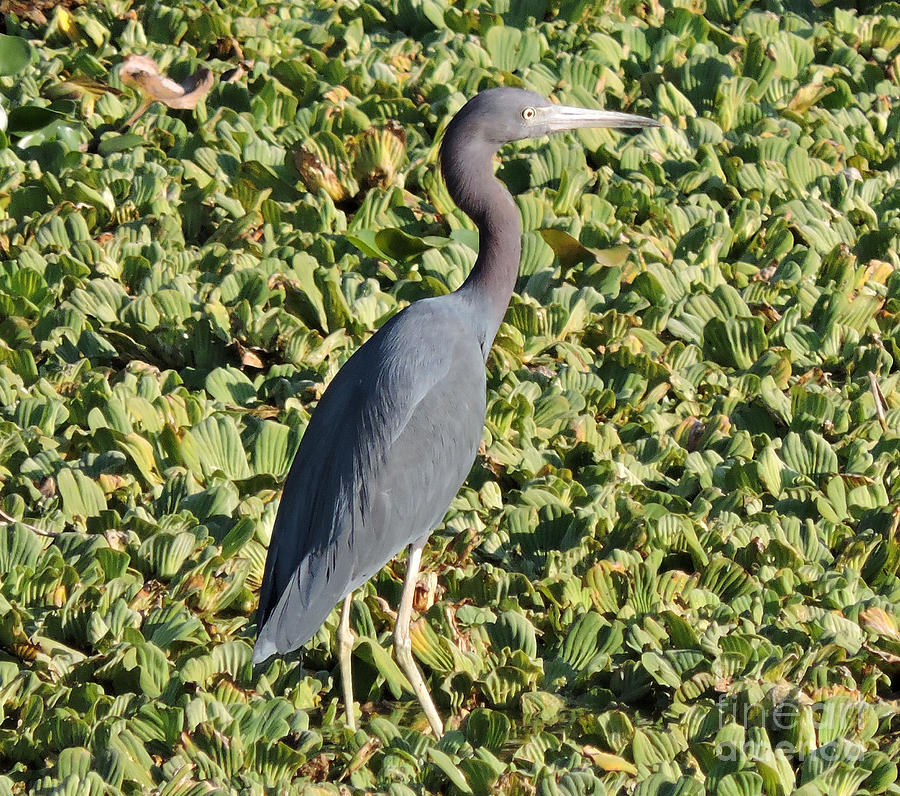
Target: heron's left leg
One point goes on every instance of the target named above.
(345, 648)
(403, 645)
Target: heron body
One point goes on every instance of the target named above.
(387, 448)
(396, 431)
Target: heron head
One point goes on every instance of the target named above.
(501, 115)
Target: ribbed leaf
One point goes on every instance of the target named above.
(215, 445)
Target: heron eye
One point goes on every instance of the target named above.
(528, 114)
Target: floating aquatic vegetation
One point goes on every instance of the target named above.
(674, 565)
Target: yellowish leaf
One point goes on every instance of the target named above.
(608, 761)
(808, 95)
(66, 23)
(877, 620)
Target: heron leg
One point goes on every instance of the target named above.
(345, 648)
(403, 645)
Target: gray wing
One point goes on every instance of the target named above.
(386, 449)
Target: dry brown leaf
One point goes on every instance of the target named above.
(887, 657)
(110, 482)
(316, 769)
(426, 588)
(117, 540)
(316, 173)
(33, 9)
(249, 359)
(47, 486)
(362, 756)
(143, 73)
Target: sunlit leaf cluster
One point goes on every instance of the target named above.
(673, 567)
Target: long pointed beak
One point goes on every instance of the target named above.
(566, 117)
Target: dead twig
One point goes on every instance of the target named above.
(878, 396)
(6, 518)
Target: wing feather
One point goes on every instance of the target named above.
(386, 450)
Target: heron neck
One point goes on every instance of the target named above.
(492, 280)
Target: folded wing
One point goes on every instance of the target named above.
(387, 448)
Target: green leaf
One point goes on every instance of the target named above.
(19, 547)
(487, 728)
(230, 386)
(81, 495)
(810, 454)
(28, 118)
(741, 783)
(165, 553)
(214, 445)
(119, 143)
(512, 49)
(513, 631)
(15, 54)
(735, 342)
(583, 641)
(273, 449)
(375, 655)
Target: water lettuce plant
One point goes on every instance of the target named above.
(673, 567)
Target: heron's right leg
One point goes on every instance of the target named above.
(403, 645)
(345, 648)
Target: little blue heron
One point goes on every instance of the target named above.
(396, 431)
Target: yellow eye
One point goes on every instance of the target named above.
(528, 114)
